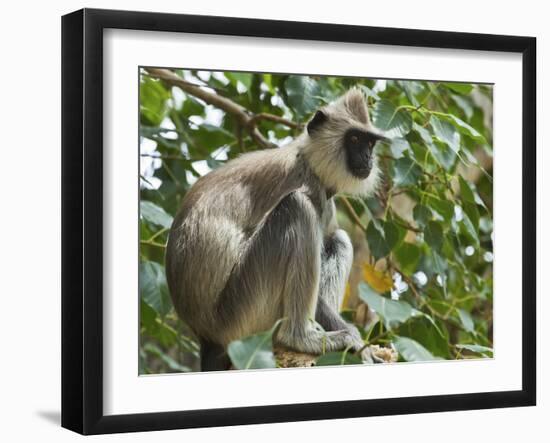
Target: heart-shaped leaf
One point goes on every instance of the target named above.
(153, 288)
(393, 312)
(393, 121)
(155, 214)
(411, 350)
(253, 352)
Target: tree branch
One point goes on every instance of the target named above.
(352, 213)
(274, 118)
(229, 106)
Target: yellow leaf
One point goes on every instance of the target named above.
(379, 281)
(347, 295)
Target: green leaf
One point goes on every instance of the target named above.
(155, 327)
(411, 350)
(393, 234)
(153, 288)
(243, 77)
(393, 121)
(253, 352)
(478, 349)
(473, 214)
(369, 92)
(169, 361)
(303, 94)
(377, 243)
(398, 146)
(147, 315)
(424, 134)
(269, 83)
(152, 101)
(443, 208)
(466, 320)
(433, 235)
(392, 311)
(338, 359)
(446, 133)
(212, 137)
(432, 263)
(442, 154)
(464, 104)
(422, 215)
(460, 88)
(466, 192)
(155, 214)
(191, 106)
(468, 229)
(426, 331)
(408, 256)
(466, 129)
(406, 172)
(410, 89)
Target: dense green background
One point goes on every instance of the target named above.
(424, 284)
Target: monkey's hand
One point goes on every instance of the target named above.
(378, 354)
(358, 345)
(372, 353)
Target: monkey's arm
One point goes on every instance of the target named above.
(336, 262)
(335, 267)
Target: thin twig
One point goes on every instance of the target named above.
(152, 243)
(164, 156)
(352, 212)
(200, 85)
(407, 226)
(401, 191)
(162, 231)
(242, 115)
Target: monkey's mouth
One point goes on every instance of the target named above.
(360, 164)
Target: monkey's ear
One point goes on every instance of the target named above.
(357, 106)
(316, 122)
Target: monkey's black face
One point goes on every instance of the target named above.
(359, 146)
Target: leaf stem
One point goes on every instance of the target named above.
(152, 243)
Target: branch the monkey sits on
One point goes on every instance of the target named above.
(256, 240)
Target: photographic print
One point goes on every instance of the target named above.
(294, 220)
(258, 222)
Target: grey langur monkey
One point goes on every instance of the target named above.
(256, 240)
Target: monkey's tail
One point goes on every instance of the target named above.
(213, 357)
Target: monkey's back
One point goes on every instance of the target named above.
(219, 215)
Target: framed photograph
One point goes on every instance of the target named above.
(269, 221)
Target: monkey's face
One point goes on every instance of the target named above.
(340, 145)
(359, 147)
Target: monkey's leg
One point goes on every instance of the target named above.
(300, 285)
(336, 262)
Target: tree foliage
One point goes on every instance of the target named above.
(425, 284)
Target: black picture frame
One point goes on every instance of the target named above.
(82, 220)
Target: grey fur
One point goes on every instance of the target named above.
(257, 240)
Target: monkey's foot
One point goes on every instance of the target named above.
(289, 358)
(381, 354)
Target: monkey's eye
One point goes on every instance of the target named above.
(354, 139)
